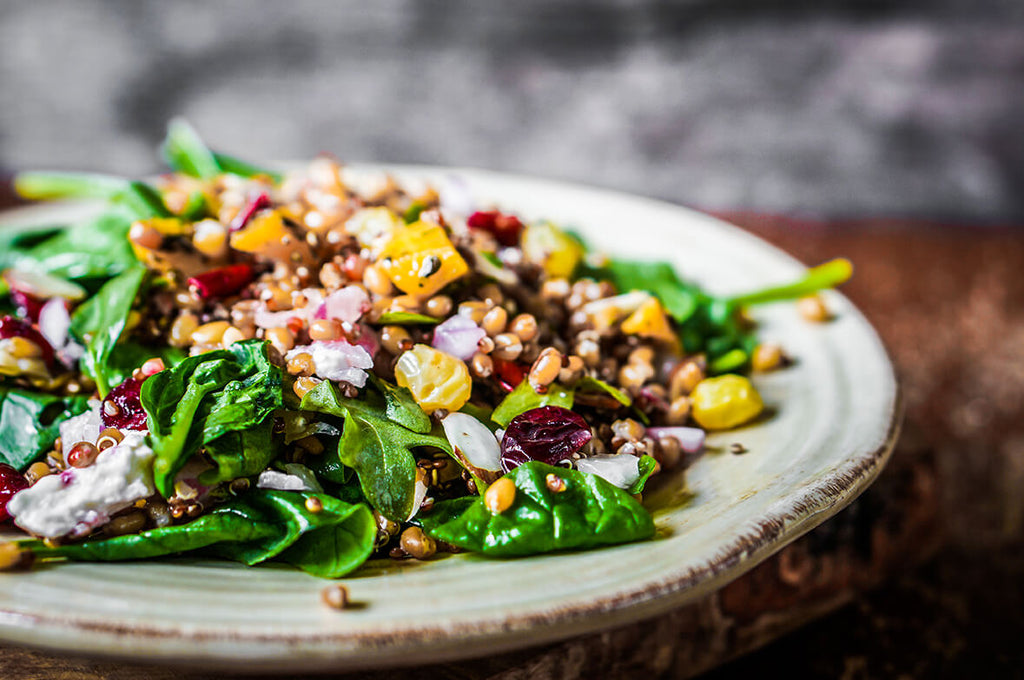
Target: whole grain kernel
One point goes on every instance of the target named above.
(183, 328)
(210, 333)
(494, 321)
(395, 339)
(486, 344)
(500, 495)
(507, 346)
(281, 338)
(231, 336)
(301, 364)
(331, 276)
(554, 483)
(678, 411)
(439, 306)
(303, 385)
(335, 596)
(37, 471)
(417, 543)
(314, 505)
(474, 310)
(766, 357)
(525, 326)
(545, 369)
(376, 281)
(813, 308)
(481, 365)
(685, 378)
(109, 437)
(326, 330)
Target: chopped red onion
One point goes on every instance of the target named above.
(458, 336)
(346, 304)
(691, 439)
(55, 321)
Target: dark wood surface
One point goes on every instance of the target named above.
(919, 578)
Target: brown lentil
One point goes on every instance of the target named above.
(314, 505)
(82, 454)
(439, 306)
(301, 364)
(494, 321)
(36, 471)
(812, 308)
(335, 596)
(303, 385)
(669, 452)
(395, 339)
(500, 496)
(417, 543)
(507, 346)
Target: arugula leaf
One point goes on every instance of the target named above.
(523, 398)
(259, 526)
(376, 447)
(395, 318)
(100, 321)
(30, 423)
(589, 512)
(203, 398)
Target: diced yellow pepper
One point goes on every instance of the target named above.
(267, 234)
(555, 251)
(649, 321)
(437, 380)
(724, 402)
(372, 227)
(421, 260)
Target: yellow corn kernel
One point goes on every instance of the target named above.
(420, 259)
(724, 402)
(436, 380)
(548, 246)
(649, 321)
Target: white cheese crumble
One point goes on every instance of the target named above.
(337, 360)
(78, 500)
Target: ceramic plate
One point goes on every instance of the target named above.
(832, 423)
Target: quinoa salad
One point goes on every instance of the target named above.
(317, 368)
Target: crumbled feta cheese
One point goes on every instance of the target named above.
(78, 500)
(337, 360)
(85, 427)
(280, 481)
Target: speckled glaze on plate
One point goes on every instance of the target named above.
(832, 422)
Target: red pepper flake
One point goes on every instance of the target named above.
(509, 374)
(504, 228)
(259, 202)
(222, 282)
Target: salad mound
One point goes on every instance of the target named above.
(315, 368)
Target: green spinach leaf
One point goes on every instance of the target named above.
(185, 151)
(257, 527)
(523, 398)
(378, 448)
(589, 512)
(647, 466)
(241, 453)
(30, 423)
(205, 397)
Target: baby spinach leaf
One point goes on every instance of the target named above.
(236, 166)
(257, 527)
(647, 466)
(185, 151)
(100, 321)
(523, 398)
(241, 453)
(203, 398)
(376, 447)
(30, 423)
(589, 384)
(396, 318)
(129, 355)
(679, 298)
(401, 407)
(589, 512)
(96, 247)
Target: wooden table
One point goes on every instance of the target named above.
(921, 577)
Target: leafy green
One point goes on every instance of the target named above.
(589, 512)
(413, 212)
(30, 422)
(395, 318)
(97, 247)
(100, 321)
(401, 407)
(376, 446)
(679, 298)
(203, 398)
(47, 186)
(523, 398)
(589, 384)
(129, 355)
(827, 275)
(257, 527)
(647, 466)
(185, 151)
(241, 453)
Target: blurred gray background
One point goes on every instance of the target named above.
(832, 108)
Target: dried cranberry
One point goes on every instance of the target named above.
(258, 202)
(221, 282)
(549, 434)
(28, 305)
(11, 482)
(123, 407)
(509, 374)
(504, 228)
(11, 327)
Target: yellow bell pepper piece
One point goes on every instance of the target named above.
(421, 260)
(555, 251)
(649, 321)
(436, 379)
(267, 234)
(724, 402)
